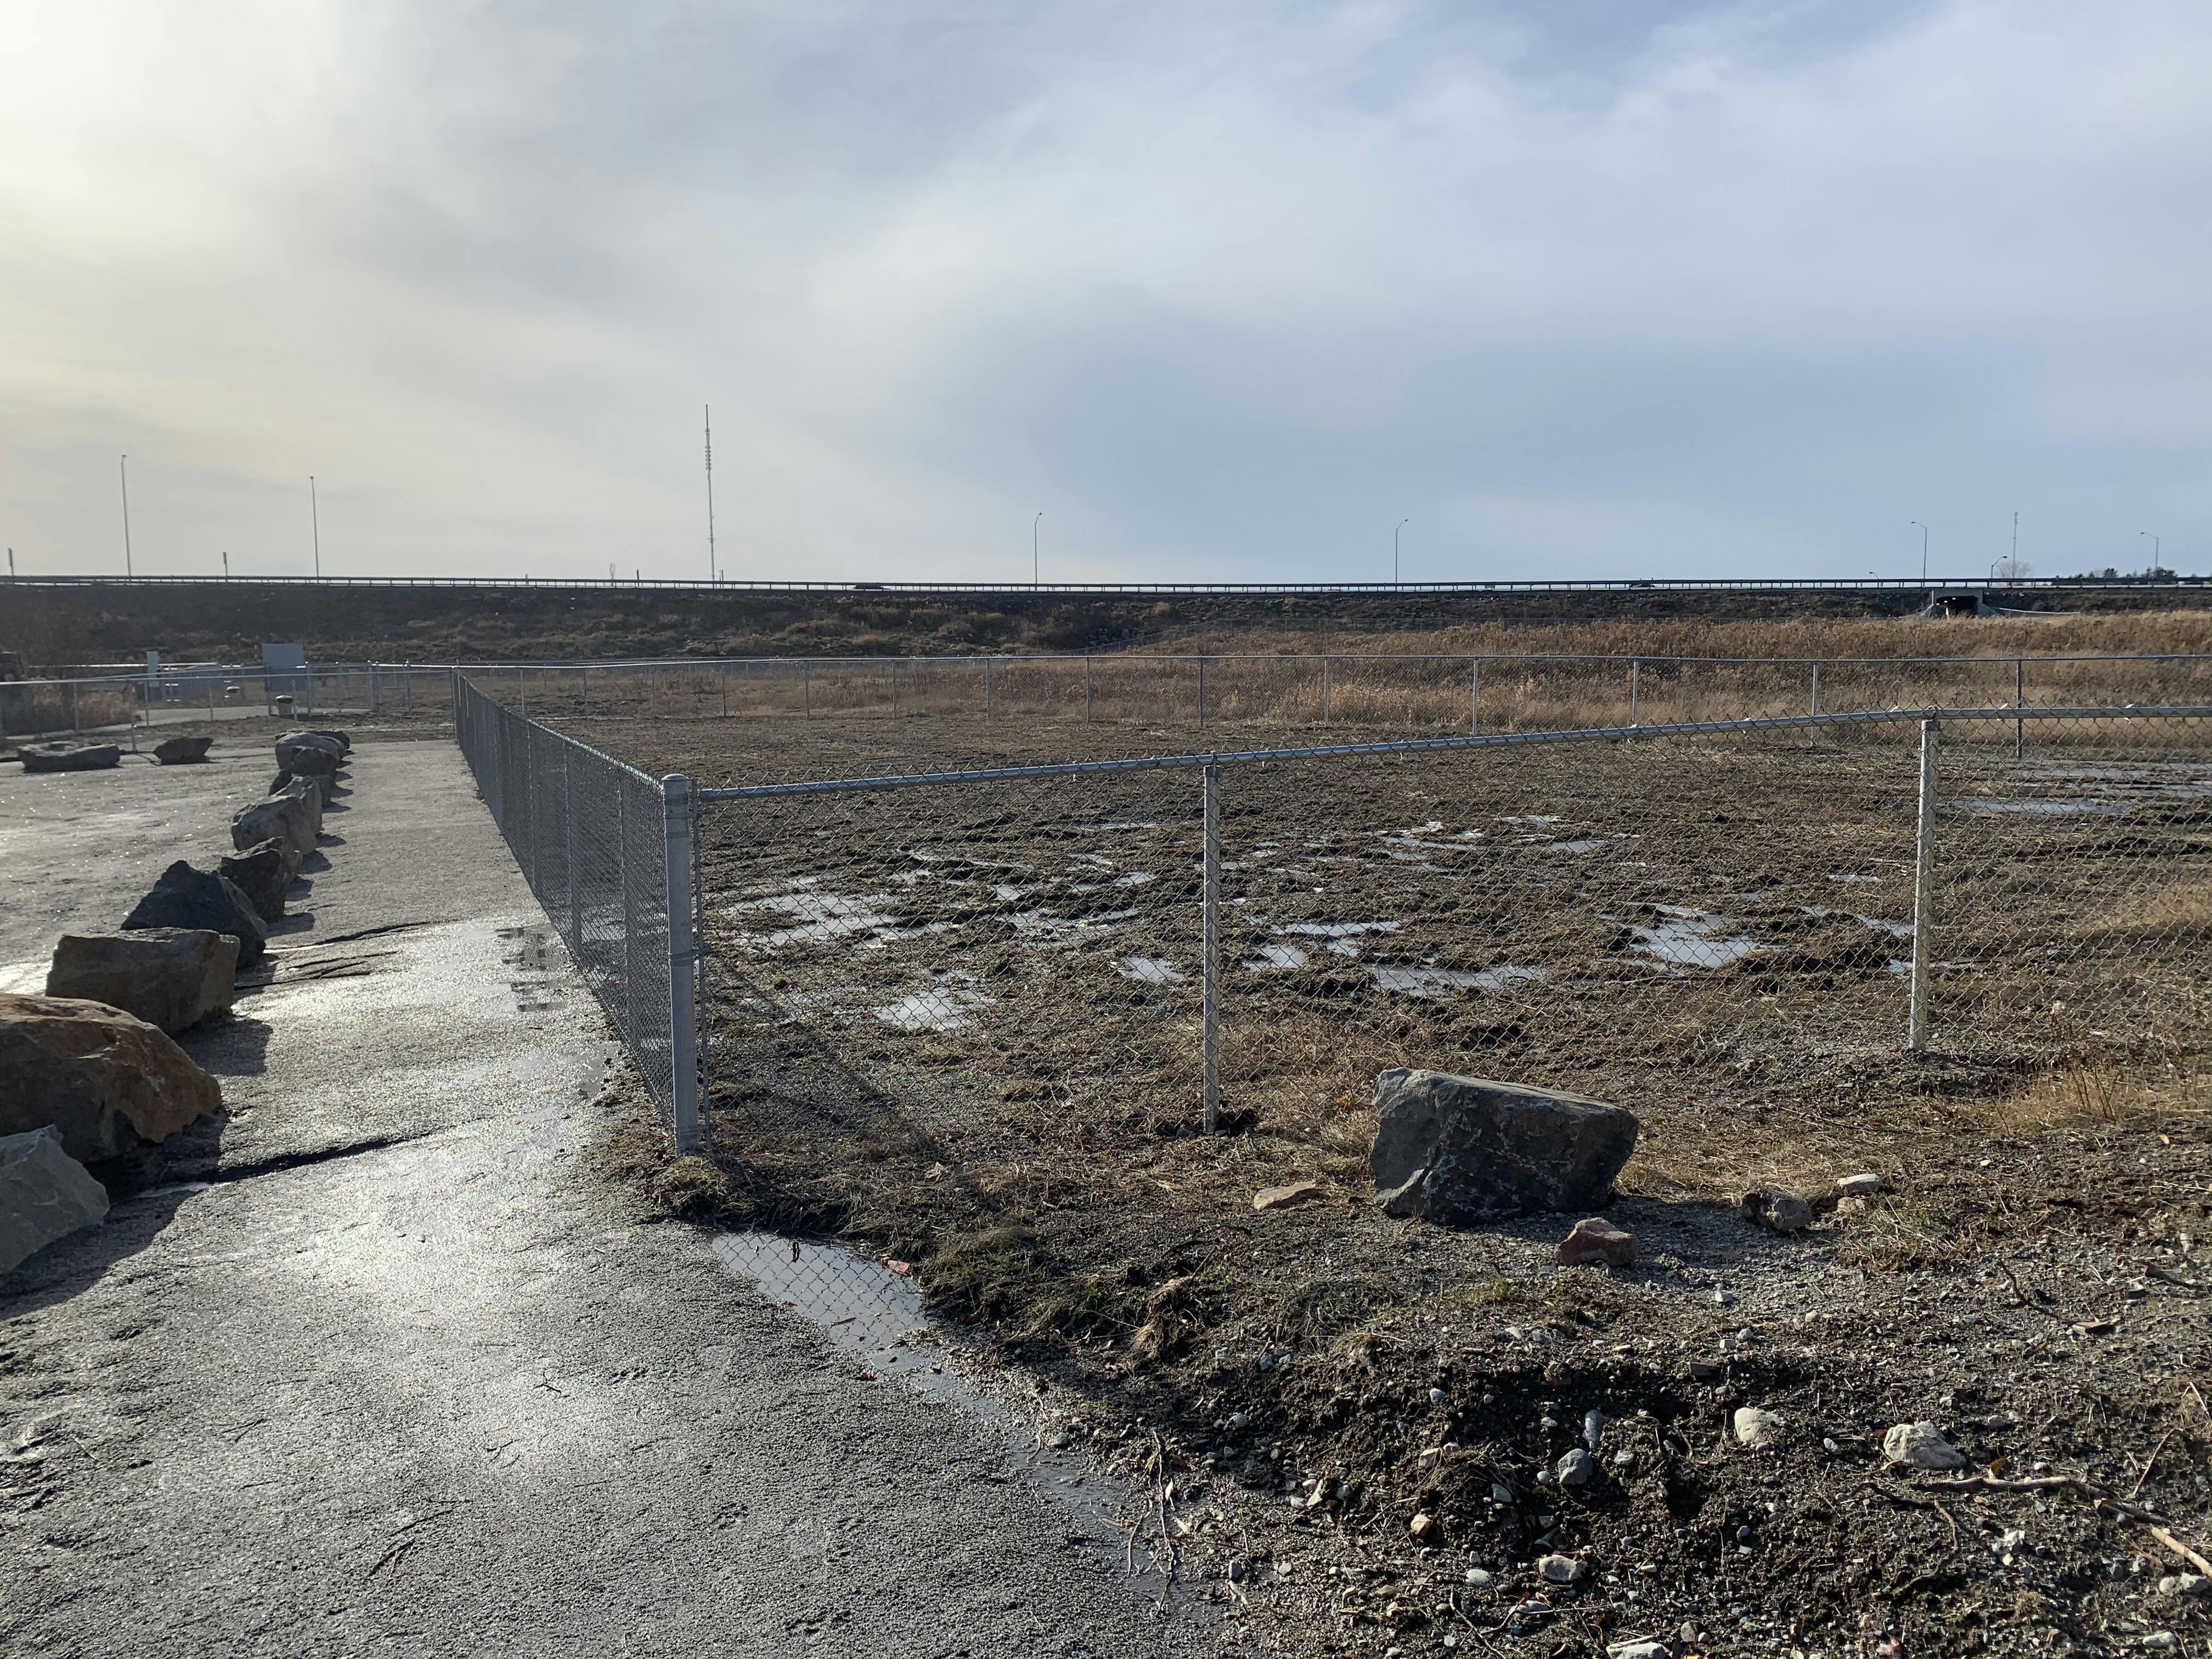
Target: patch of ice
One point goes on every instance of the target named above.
(1277, 955)
(1149, 970)
(1691, 939)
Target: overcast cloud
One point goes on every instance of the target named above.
(1581, 287)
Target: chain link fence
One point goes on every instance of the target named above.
(608, 852)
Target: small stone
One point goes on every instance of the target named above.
(1596, 1242)
(1624, 1459)
(1500, 1494)
(1561, 1570)
(1435, 1396)
(1774, 1210)
(1477, 1577)
(1279, 1198)
(1593, 1427)
(1724, 1298)
(2185, 1583)
(1858, 1186)
(1850, 1206)
(1423, 1526)
(1922, 1445)
(1575, 1468)
(1757, 1428)
(1645, 1649)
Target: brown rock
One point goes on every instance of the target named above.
(106, 1080)
(182, 751)
(1423, 1526)
(1596, 1242)
(265, 873)
(1774, 1210)
(1277, 1198)
(171, 977)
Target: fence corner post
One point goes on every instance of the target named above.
(1924, 871)
(678, 805)
(1210, 953)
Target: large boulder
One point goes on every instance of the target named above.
(343, 742)
(107, 1081)
(185, 898)
(171, 977)
(45, 1194)
(310, 751)
(1464, 1150)
(69, 757)
(303, 762)
(264, 872)
(322, 786)
(293, 815)
(182, 751)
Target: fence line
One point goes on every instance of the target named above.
(608, 854)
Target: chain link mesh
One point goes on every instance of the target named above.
(587, 832)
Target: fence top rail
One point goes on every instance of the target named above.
(259, 670)
(1422, 745)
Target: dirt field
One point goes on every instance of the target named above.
(959, 1028)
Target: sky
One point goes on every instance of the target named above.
(1227, 292)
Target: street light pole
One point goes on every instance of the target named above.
(315, 521)
(123, 473)
(1036, 568)
(1401, 523)
(2157, 551)
(1923, 529)
(711, 573)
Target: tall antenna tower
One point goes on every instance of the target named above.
(710, 408)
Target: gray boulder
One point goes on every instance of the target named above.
(343, 742)
(185, 898)
(106, 1080)
(310, 751)
(171, 977)
(69, 757)
(265, 873)
(1463, 1149)
(45, 1194)
(292, 816)
(322, 785)
(182, 751)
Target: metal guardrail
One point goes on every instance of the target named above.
(1982, 584)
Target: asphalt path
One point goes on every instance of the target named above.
(382, 1369)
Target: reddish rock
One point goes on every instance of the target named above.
(1596, 1242)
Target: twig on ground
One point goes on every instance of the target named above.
(2182, 1550)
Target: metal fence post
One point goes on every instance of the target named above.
(1635, 679)
(676, 810)
(2019, 701)
(1324, 690)
(807, 688)
(1086, 687)
(987, 687)
(584, 689)
(73, 726)
(1210, 954)
(1816, 689)
(522, 690)
(1201, 694)
(1474, 697)
(724, 671)
(894, 690)
(1923, 871)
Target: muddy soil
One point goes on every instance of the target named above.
(960, 1028)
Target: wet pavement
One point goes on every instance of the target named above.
(380, 1368)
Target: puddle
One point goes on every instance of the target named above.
(876, 1316)
(1896, 929)
(946, 1008)
(1149, 970)
(1276, 956)
(822, 917)
(1130, 825)
(2024, 806)
(1587, 844)
(1135, 878)
(1691, 939)
(1530, 818)
(1433, 982)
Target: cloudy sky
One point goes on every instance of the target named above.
(1578, 287)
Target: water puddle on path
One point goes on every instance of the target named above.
(875, 1314)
